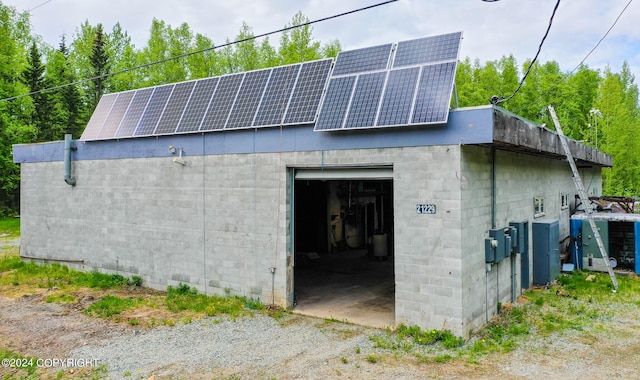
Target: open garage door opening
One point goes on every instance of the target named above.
(343, 232)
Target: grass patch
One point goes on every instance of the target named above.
(578, 301)
(110, 306)
(411, 338)
(183, 297)
(373, 358)
(60, 298)
(9, 228)
(50, 275)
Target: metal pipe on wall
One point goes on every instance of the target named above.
(67, 160)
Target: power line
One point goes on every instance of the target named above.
(495, 99)
(603, 37)
(38, 6)
(564, 78)
(199, 51)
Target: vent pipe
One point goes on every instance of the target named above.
(67, 160)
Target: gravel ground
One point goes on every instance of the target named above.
(252, 346)
(296, 347)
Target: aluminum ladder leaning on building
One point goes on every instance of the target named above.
(577, 180)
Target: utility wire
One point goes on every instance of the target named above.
(497, 100)
(199, 51)
(603, 37)
(564, 78)
(38, 6)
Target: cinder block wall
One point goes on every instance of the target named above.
(427, 255)
(222, 221)
(519, 178)
(222, 225)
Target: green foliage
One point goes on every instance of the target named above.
(10, 227)
(135, 281)
(67, 105)
(407, 338)
(100, 66)
(60, 298)
(297, 45)
(373, 358)
(109, 306)
(184, 297)
(56, 275)
(99, 280)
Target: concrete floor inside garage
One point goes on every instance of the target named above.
(349, 285)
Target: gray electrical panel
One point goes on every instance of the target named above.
(522, 247)
(546, 251)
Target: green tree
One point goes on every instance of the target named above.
(66, 100)
(33, 77)
(619, 133)
(100, 67)
(243, 55)
(298, 45)
(331, 49)
(205, 64)
(14, 114)
(122, 56)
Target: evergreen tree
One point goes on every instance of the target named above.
(15, 126)
(66, 100)
(100, 64)
(33, 77)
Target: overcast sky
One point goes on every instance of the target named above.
(490, 30)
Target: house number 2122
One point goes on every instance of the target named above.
(426, 209)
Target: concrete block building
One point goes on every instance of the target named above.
(240, 209)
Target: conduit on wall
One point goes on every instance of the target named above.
(67, 160)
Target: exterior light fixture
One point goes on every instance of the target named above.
(596, 113)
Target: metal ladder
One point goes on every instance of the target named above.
(577, 180)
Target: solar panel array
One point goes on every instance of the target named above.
(409, 83)
(413, 87)
(284, 95)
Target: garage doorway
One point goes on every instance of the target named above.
(343, 244)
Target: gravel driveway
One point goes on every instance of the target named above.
(296, 347)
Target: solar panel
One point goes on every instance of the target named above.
(398, 97)
(112, 121)
(221, 102)
(362, 60)
(365, 100)
(175, 108)
(154, 110)
(434, 93)
(248, 99)
(428, 50)
(92, 130)
(305, 99)
(134, 113)
(336, 103)
(198, 104)
(386, 85)
(416, 90)
(277, 95)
